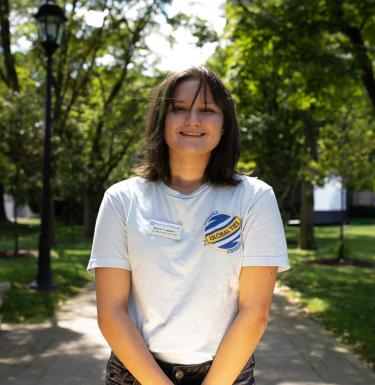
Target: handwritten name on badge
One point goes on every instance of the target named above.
(164, 229)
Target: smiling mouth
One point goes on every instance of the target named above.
(191, 135)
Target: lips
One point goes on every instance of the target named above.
(192, 134)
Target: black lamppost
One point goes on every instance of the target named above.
(51, 21)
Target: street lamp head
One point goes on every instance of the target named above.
(51, 21)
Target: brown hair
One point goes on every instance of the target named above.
(220, 169)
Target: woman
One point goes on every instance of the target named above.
(186, 253)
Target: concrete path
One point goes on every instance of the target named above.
(70, 350)
(295, 350)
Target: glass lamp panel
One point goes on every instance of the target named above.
(52, 24)
(60, 33)
(42, 30)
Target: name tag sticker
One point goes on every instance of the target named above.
(164, 229)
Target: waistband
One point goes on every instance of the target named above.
(172, 368)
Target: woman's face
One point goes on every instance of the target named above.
(193, 129)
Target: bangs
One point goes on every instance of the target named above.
(204, 82)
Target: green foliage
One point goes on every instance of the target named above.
(21, 143)
(347, 146)
(199, 28)
(296, 81)
(100, 93)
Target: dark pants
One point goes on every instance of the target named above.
(117, 374)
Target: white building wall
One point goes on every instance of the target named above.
(23, 211)
(330, 197)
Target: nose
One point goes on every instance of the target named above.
(192, 118)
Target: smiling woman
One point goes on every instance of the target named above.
(192, 115)
(186, 253)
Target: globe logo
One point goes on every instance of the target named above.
(222, 231)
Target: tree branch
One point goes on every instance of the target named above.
(115, 161)
(10, 68)
(119, 83)
(359, 49)
(3, 77)
(363, 60)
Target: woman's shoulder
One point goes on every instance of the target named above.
(252, 184)
(126, 186)
(253, 190)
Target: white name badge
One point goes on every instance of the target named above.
(164, 229)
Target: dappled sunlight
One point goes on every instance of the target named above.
(57, 355)
(317, 305)
(301, 351)
(78, 253)
(69, 348)
(337, 296)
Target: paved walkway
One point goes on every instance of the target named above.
(69, 350)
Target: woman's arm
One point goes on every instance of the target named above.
(255, 297)
(112, 293)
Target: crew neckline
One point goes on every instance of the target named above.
(177, 194)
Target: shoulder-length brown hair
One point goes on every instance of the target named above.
(220, 169)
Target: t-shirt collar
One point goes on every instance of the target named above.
(180, 195)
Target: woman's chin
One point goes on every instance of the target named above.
(190, 151)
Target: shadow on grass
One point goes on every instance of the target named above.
(69, 258)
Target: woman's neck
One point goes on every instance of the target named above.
(187, 173)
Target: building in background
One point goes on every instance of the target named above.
(330, 203)
(23, 211)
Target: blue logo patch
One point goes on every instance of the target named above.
(222, 232)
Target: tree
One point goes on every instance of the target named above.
(21, 143)
(350, 138)
(286, 62)
(8, 73)
(356, 21)
(90, 90)
(98, 87)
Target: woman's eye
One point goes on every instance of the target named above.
(208, 110)
(179, 109)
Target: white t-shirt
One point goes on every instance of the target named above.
(185, 252)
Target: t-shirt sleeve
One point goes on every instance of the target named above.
(109, 248)
(263, 234)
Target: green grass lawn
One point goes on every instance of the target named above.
(342, 298)
(68, 261)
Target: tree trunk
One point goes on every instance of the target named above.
(307, 241)
(52, 217)
(310, 133)
(91, 204)
(9, 76)
(15, 232)
(3, 217)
